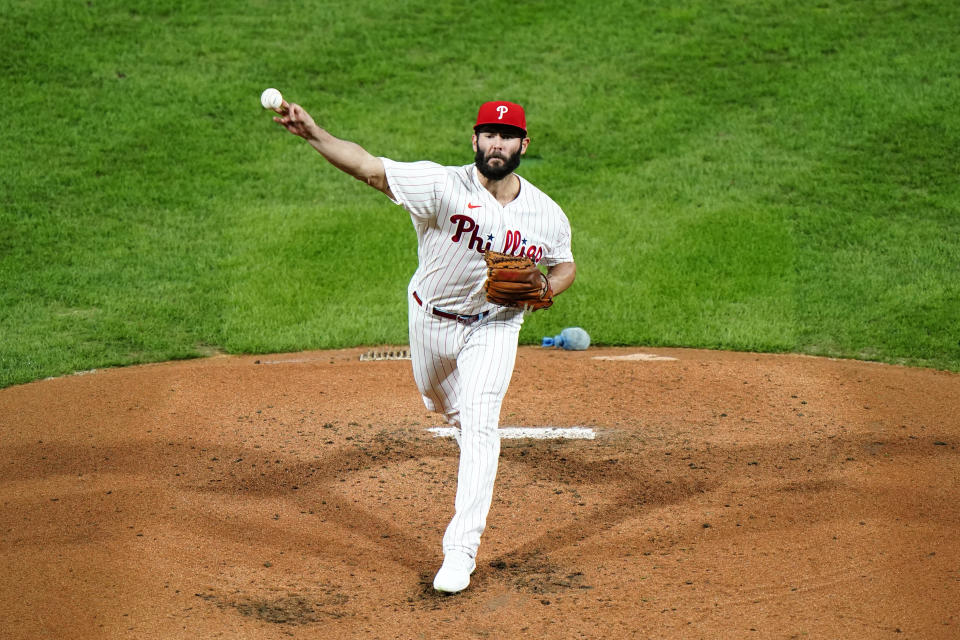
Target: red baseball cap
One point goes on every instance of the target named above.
(502, 113)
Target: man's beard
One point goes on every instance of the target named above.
(497, 173)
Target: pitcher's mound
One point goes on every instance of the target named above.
(724, 495)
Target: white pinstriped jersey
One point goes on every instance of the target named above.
(457, 219)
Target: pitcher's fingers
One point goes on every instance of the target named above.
(290, 115)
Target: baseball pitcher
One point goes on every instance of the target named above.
(483, 232)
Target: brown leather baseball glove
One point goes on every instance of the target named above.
(515, 281)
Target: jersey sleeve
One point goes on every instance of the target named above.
(416, 186)
(561, 252)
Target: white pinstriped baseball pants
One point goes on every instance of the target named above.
(463, 373)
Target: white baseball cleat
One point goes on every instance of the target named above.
(454, 574)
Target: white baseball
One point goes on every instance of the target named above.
(271, 99)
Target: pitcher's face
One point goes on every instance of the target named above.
(498, 152)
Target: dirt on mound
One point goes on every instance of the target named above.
(724, 495)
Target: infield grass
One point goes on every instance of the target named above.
(764, 176)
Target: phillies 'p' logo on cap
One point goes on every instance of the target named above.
(502, 112)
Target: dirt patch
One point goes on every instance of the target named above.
(290, 608)
(725, 495)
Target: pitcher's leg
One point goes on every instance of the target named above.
(434, 345)
(486, 366)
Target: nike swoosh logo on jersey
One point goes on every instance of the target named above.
(470, 205)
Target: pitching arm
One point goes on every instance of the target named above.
(347, 156)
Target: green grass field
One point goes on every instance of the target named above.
(750, 175)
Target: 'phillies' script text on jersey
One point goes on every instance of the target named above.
(514, 243)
